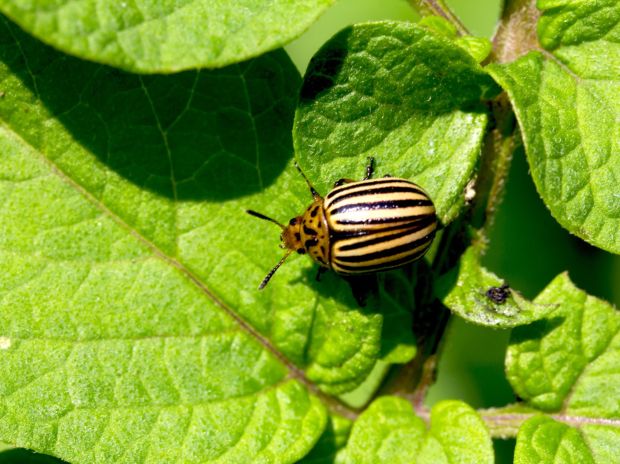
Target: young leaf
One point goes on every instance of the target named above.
(542, 440)
(390, 432)
(567, 361)
(399, 93)
(478, 47)
(479, 296)
(164, 37)
(567, 100)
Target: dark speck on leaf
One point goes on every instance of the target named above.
(498, 294)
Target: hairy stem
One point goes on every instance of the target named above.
(497, 149)
(515, 34)
(505, 422)
(516, 31)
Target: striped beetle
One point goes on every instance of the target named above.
(360, 227)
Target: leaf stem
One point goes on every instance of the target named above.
(497, 150)
(505, 423)
(439, 8)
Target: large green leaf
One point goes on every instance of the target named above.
(108, 349)
(130, 320)
(395, 91)
(390, 432)
(567, 101)
(165, 37)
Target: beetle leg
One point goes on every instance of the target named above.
(340, 182)
(370, 168)
(322, 270)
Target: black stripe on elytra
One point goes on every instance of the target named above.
(407, 219)
(419, 223)
(381, 266)
(353, 185)
(386, 252)
(374, 205)
(374, 241)
(409, 188)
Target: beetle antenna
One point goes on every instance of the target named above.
(273, 271)
(314, 193)
(266, 218)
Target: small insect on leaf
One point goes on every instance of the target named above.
(361, 227)
(498, 295)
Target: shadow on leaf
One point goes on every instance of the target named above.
(24, 456)
(536, 330)
(208, 134)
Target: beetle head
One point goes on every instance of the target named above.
(291, 236)
(291, 240)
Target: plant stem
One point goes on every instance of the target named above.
(505, 422)
(497, 149)
(516, 31)
(439, 8)
(413, 380)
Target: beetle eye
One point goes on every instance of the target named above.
(293, 221)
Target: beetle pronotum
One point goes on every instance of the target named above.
(361, 227)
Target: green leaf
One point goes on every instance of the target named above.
(567, 101)
(130, 320)
(542, 440)
(569, 360)
(107, 350)
(395, 91)
(478, 47)
(165, 37)
(439, 25)
(464, 289)
(389, 431)
(568, 363)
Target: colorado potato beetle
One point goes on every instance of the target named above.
(361, 227)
